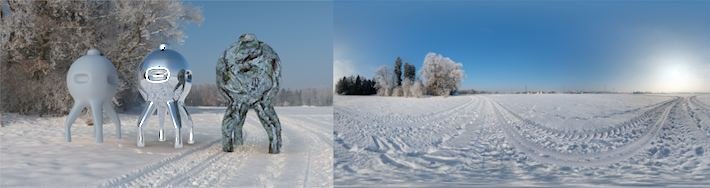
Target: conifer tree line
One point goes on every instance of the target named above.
(440, 76)
(355, 85)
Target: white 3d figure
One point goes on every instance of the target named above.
(92, 81)
(164, 81)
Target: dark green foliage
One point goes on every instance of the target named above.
(410, 72)
(355, 85)
(398, 71)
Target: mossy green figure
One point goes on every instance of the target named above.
(248, 75)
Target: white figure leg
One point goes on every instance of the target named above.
(108, 108)
(73, 114)
(97, 109)
(143, 120)
(175, 115)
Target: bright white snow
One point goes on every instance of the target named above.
(512, 140)
(33, 153)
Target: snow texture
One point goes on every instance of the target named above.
(34, 154)
(516, 140)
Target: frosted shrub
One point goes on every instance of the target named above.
(384, 81)
(417, 89)
(40, 40)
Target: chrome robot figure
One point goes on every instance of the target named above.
(92, 81)
(248, 74)
(164, 82)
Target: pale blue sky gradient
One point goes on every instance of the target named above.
(550, 45)
(300, 32)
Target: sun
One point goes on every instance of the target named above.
(675, 74)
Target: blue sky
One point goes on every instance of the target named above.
(300, 32)
(551, 45)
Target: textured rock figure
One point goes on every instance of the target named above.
(248, 74)
(164, 82)
(92, 81)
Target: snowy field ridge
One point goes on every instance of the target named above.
(511, 140)
(305, 161)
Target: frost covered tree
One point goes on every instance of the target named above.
(40, 40)
(441, 75)
(384, 81)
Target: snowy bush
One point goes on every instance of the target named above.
(412, 88)
(441, 75)
(398, 92)
(40, 40)
(417, 89)
(406, 87)
(384, 81)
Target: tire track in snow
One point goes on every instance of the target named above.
(142, 176)
(698, 110)
(544, 154)
(219, 162)
(396, 154)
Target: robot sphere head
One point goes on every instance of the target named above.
(92, 76)
(163, 72)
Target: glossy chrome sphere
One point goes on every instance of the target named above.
(164, 80)
(163, 75)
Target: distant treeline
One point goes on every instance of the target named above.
(209, 95)
(355, 85)
(471, 92)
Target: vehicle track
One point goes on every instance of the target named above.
(540, 151)
(141, 176)
(700, 112)
(306, 144)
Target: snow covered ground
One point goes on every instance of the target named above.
(513, 140)
(33, 153)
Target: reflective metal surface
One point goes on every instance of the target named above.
(164, 81)
(92, 81)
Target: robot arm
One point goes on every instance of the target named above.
(187, 86)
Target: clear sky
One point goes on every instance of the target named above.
(551, 45)
(301, 33)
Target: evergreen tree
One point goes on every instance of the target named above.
(410, 71)
(398, 71)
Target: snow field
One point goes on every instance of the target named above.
(45, 159)
(510, 140)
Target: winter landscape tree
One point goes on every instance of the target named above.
(441, 76)
(40, 40)
(384, 81)
(398, 71)
(410, 72)
(355, 85)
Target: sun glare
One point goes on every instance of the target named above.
(675, 74)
